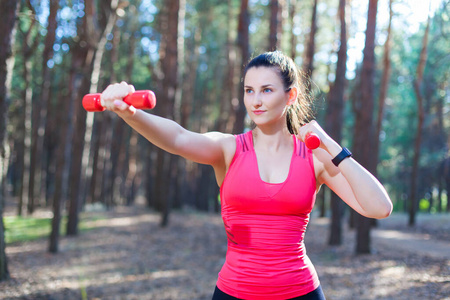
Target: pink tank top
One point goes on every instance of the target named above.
(265, 225)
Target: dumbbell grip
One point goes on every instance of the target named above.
(144, 99)
(312, 140)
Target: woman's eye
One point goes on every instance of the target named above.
(248, 91)
(267, 90)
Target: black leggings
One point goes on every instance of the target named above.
(317, 294)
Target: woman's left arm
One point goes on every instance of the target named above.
(349, 180)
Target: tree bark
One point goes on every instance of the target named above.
(228, 118)
(36, 168)
(275, 30)
(364, 127)
(169, 84)
(308, 65)
(335, 112)
(128, 154)
(28, 48)
(293, 42)
(420, 118)
(383, 87)
(78, 85)
(243, 44)
(83, 121)
(62, 170)
(186, 175)
(8, 15)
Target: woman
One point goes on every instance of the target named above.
(268, 180)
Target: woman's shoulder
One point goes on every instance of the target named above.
(229, 145)
(220, 136)
(226, 141)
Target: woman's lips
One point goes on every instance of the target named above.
(258, 112)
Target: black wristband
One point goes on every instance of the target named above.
(341, 156)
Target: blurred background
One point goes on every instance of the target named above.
(380, 77)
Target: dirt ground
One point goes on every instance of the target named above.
(128, 256)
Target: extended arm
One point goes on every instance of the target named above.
(211, 148)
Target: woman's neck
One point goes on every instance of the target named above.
(271, 139)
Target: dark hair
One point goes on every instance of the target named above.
(301, 111)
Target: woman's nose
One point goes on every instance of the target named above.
(257, 102)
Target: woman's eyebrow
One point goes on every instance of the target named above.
(263, 86)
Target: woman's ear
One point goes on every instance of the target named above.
(292, 95)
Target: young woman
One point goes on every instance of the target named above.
(268, 180)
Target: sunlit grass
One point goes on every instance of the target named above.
(22, 229)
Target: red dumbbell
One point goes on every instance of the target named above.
(144, 99)
(312, 141)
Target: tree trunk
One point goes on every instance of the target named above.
(83, 121)
(62, 170)
(104, 135)
(227, 119)
(127, 157)
(383, 87)
(292, 14)
(441, 133)
(364, 135)
(420, 118)
(94, 177)
(27, 51)
(132, 168)
(335, 116)
(275, 30)
(186, 175)
(117, 128)
(75, 128)
(243, 44)
(36, 167)
(28, 93)
(50, 144)
(321, 200)
(8, 15)
(308, 65)
(169, 68)
(177, 163)
(446, 178)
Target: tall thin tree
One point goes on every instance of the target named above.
(83, 53)
(418, 81)
(275, 30)
(40, 118)
(8, 15)
(308, 64)
(292, 14)
(364, 127)
(384, 85)
(244, 46)
(97, 40)
(169, 85)
(335, 112)
(27, 50)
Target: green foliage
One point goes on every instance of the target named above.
(424, 204)
(23, 229)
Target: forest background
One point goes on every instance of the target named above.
(380, 77)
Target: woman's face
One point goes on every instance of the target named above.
(265, 97)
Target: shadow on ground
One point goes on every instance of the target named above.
(128, 256)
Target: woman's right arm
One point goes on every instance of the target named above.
(212, 148)
(170, 136)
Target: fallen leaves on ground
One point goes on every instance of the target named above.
(128, 256)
